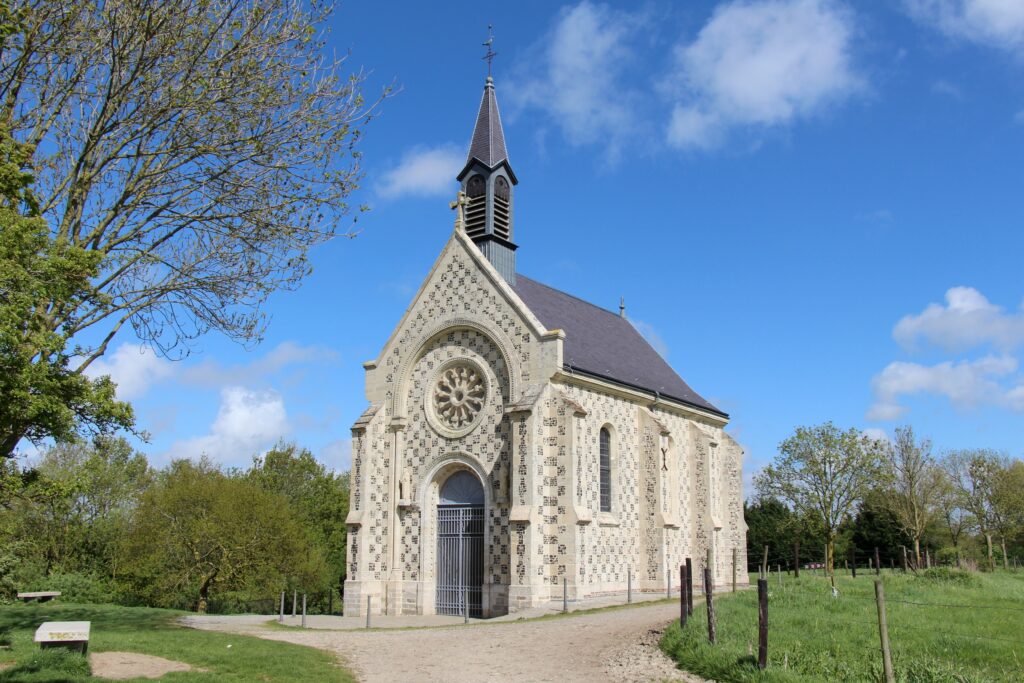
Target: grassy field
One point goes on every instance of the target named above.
(971, 630)
(152, 631)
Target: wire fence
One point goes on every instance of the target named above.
(909, 625)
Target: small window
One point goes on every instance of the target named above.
(606, 470)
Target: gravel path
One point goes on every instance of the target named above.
(613, 645)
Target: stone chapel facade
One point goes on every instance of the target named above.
(517, 436)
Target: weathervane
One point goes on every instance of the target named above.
(491, 54)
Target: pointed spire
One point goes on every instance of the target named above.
(488, 143)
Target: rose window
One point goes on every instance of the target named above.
(459, 396)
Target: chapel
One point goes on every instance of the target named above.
(520, 441)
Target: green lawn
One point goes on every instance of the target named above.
(977, 635)
(152, 631)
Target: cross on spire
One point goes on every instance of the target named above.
(491, 54)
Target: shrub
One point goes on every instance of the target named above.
(75, 587)
(950, 575)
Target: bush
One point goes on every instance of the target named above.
(75, 587)
(950, 575)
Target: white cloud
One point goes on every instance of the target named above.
(948, 89)
(997, 23)
(581, 81)
(652, 336)
(424, 172)
(133, 368)
(214, 374)
(764, 63)
(967, 320)
(966, 384)
(337, 455)
(248, 422)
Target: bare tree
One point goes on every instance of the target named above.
(202, 147)
(916, 484)
(824, 472)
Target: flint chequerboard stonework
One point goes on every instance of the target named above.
(517, 436)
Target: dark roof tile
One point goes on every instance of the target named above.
(604, 344)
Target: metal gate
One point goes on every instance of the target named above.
(460, 559)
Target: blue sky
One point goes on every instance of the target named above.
(813, 209)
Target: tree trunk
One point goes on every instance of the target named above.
(204, 593)
(1006, 558)
(830, 560)
(917, 551)
(991, 561)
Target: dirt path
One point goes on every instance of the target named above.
(614, 645)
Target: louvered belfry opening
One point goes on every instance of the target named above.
(476, 209)
(502, 206)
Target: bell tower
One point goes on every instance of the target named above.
(487, 179)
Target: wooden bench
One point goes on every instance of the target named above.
(40, 596)
(73, 635)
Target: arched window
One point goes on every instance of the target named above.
(502, 209)
(606, 470)
(476, 187)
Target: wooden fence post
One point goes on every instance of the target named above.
(796, 560)
(734, 570)
(295, 602)
(904, 558)
(878, 564)
(689, 586)
(764, 562)
(710, 604)
(762, 623)
(303, 610)
(280, 616)
(853, 561)
(883, 632)
(369, 599)
(682, 595)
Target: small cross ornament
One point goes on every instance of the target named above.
(459, 206)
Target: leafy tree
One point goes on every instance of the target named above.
(823, 472)
(42, 282)
(71, 511)
(318, 497)
(770, 522)
(198, 530)
(974, 474)
(917, 482)
(1008, 504)
(189, 153)
(877, 526)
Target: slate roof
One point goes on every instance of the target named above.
(488, 143)
(605, 345)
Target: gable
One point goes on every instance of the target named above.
(463, 291)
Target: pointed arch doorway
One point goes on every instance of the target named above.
(460, 545)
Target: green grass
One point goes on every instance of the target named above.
(815, 637)
(153, 632)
